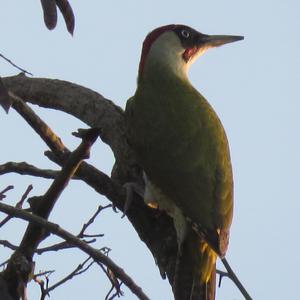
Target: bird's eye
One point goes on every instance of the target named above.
(185, 33)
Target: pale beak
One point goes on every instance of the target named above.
(219, 40)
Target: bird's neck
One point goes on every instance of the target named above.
(157, 72)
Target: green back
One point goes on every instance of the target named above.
(182, 146)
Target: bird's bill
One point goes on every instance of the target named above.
(219, 40)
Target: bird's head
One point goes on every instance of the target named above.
(173, 48)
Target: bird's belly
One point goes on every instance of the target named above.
(153, 195)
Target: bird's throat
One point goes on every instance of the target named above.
(189, 53)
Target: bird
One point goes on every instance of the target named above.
(182, 148)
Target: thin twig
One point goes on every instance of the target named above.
(91, 221)
(113, 283)
(44, 205)
(14, 65)
(81, 234)
(235, 279)
(93, 235)
(44, 273)
(97, 255)
(2, 196)
(60, 246)
(4, 263)
(23, 168)
(41, 282)
(81, 268)
(116, 294)
(18, 205)
(7, 244)
(24, 196)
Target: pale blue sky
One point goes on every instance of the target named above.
(254, 87)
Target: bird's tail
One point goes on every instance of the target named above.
(195, 274)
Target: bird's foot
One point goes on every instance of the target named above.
(131, 189)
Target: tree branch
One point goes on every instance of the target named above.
(42, 206)
(23, 168)
(81, 268)
(94, 253)
(234, 278)
(82, 103)
(40, 127)
(15, 66)
(2, 193)
(7, 244)
(19, 204)
(81, 234)
(91, 220)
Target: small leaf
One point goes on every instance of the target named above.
(50, 13)
(67, 12)
(5, 100)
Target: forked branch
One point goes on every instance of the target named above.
(94, 253)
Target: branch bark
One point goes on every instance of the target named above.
(23, 168)
(82, 103)
(19, 267)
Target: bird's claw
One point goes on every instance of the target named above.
(131, 189)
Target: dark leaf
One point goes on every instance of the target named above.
(67, 12)
(5, 100)
(50, 13)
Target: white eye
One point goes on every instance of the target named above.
(185, 33)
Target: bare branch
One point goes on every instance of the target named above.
(44, 205)
(18, 205)
(23, 168)
(14, 65)
(106, 187)
(234, 278)
(114, 282)
(81, 234)
(82, 103)
(41, 283)
(94, 253)
(118, 293)
(3, 264)
(43, 273)
(24, 196)
(5, 100)
(2, 196)
(60, 246)
(91, 221)
(81, 268)
(7, 244)
(40, 127)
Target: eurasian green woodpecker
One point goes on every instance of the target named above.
(182, 147)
